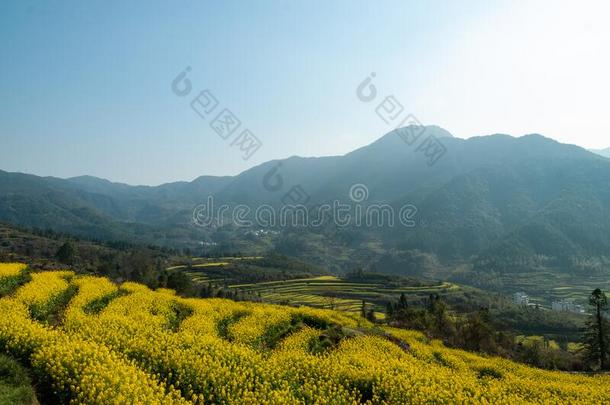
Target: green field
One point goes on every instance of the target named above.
(334, 293)
(325, 291)
(543, 288)
(348, 294)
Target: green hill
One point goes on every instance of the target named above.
(494, 204)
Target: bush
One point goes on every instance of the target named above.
(490, 372)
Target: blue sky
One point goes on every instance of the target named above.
(85, 87)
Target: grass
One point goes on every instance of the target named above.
(15, 383)
(233, 258)
(10, 284)
(218, 262)
(96, 306)
(213, 264)
(55, 315)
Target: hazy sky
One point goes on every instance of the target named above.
(85, 87)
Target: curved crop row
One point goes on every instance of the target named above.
(44, 292)
(144, 346)
(77, 370)
(11, 269)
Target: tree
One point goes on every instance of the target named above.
(596, 337)
(179, 281)
(442, 325)
(140, 266)
(402, 302)
(477, 332)
(66, 253)
(389, 309)
(370, 315)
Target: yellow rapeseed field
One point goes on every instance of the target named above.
(11, 269)
(128, 344)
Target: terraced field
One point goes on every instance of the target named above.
(320, 292)
(334, 293)
(546, 287)
(89, 341)
(328, 292)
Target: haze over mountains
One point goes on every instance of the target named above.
(487, 201)
(602, 152)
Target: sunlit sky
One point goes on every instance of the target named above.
(85, 87)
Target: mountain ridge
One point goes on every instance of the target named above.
(602, 152)
(438, 132)
(486, 197)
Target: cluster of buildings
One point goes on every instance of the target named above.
(521, 298)
(261, 232)
(567, 306)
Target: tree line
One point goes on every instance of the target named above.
(476, 332)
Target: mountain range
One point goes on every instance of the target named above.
(489, 202)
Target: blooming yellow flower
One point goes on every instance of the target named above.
(129, 344)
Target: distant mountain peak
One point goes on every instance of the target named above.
(435, 130)
(89, 179)
(539, 137)
(401, 135)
